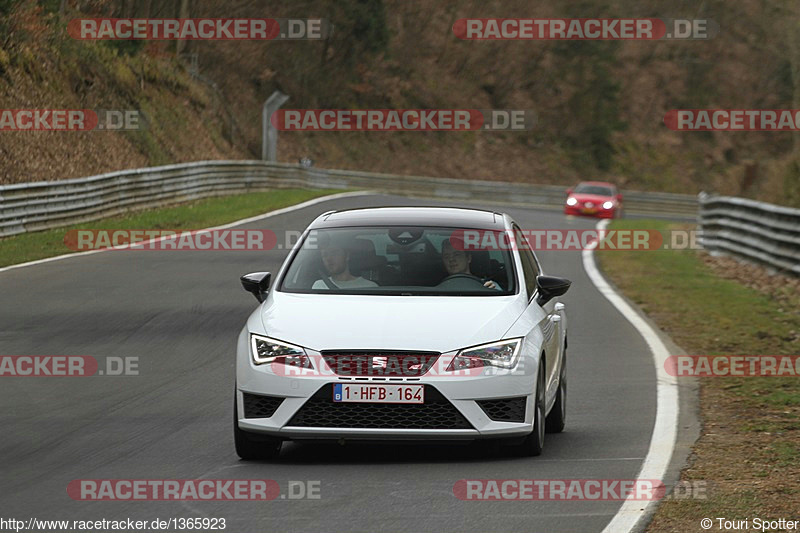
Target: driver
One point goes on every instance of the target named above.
(457, 262)
(336, 260)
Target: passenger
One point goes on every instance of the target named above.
(458, 262)
(336, 260)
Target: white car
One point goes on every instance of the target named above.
(403, 323)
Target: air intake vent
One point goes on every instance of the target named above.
(257, 406)
(505, 409)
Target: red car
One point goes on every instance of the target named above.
(595, 199)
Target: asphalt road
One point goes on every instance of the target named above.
(180, 314)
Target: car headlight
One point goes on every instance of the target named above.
(503, 354)
(267, 350)
(608, 205)
(572, 201)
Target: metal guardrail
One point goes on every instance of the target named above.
(38, 206)
(756, 231)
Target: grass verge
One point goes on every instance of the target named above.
(194, 215)
(748, 454)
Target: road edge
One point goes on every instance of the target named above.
(676, 424)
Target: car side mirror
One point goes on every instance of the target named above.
(619, 197)
(257, 283)
(550, 287)
(569, 191)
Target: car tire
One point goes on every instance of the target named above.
(558, 414)
(533, 443)
(253, 446)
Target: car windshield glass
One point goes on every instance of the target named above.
(408, 261)
(594, 189)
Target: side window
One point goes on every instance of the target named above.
(529, 268)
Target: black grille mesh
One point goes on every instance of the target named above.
(257, 406)
(436, 413)
(505, 409)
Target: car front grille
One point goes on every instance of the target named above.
(379, 363)
(504, 409)
(436, 413)
(257, 406)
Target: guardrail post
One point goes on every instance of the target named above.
(702, 196)
(269, 134)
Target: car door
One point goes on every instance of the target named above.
(550, 324)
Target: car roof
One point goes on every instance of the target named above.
(412, 216)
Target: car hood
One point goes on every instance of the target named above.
(598, 199)
(431, 323)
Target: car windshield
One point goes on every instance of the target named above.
(407, 261)
(599, 190)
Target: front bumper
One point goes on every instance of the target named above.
(598, 213)
(455, 407)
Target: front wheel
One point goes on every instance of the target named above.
(558, 415)
(533, 443)
(253, 446)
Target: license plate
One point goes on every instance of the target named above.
(589, 210)
(363, 393)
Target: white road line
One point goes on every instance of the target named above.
(665, 431)
(230, 225)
